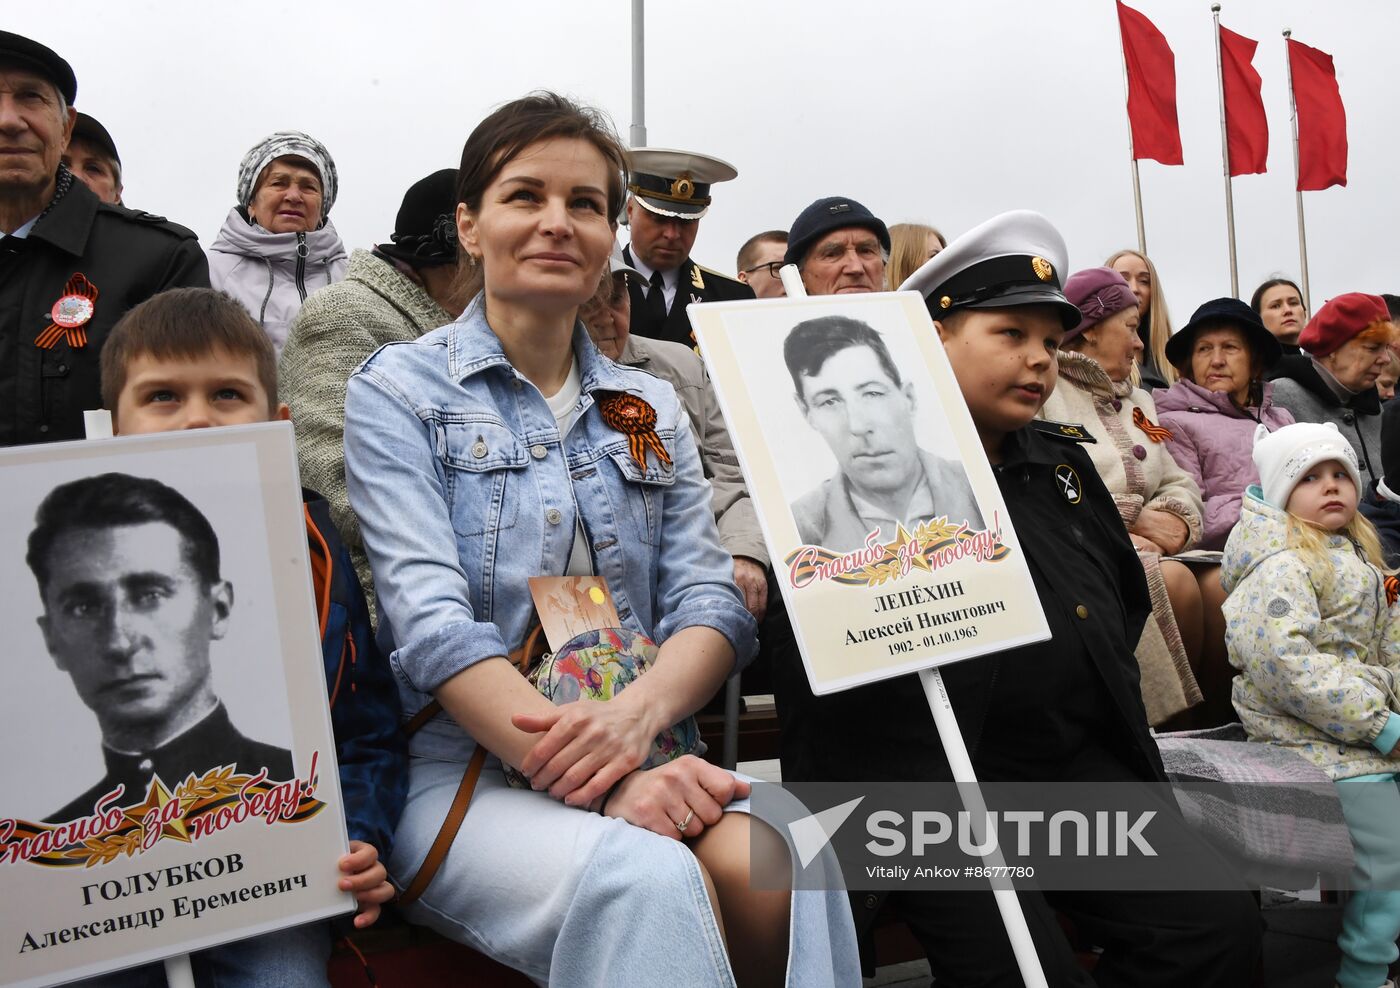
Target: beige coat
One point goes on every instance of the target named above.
(1139, 473)
(734, 514)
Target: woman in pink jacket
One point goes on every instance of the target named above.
(1213, 410)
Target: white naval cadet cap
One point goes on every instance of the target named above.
(675, 183)
(1013, 259)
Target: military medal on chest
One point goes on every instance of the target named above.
(70, 314)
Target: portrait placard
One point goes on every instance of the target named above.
(171, 783)
(886, 528)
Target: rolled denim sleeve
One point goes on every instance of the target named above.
(395, 482)
(695, 576)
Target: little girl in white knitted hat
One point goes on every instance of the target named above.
(1312, 627)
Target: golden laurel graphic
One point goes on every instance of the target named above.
(196, 800)
(929, 540)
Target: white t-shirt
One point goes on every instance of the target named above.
(562, 404)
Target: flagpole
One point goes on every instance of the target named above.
(1225, 153)
(1132, 159)
(1302, 231)
(638, 130)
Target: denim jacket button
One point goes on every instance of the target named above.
(538, 451)
(552, 516)
(479, 449)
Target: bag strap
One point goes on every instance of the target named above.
(452, 822)
(447, 833)
(530, 651)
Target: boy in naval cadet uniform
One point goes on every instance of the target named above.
(670, 192)
(1068, 709)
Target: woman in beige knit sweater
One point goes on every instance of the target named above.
(402, 289)
(1159, 503)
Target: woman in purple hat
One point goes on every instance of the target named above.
(1159, 503)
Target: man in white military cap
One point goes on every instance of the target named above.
(670, 192)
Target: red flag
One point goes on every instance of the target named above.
(1151, 89)
(1246, 128)
(1322, 120)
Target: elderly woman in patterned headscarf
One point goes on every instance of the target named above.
(1159, 503)
(277, 246)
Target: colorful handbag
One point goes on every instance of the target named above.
(597, 665)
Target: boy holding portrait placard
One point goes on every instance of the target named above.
(193, 358)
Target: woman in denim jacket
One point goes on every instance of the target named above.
(477, 457)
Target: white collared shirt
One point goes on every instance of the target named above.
(23, 231)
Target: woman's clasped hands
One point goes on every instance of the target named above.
(591, 750)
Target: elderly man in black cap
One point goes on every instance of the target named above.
(670, 193)
(839, 247)
(70, 264)
(92, 157)
(396, 292)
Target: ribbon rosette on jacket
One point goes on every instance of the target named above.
(70, 314)
(635, 419)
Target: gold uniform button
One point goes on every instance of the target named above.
(1082, 611)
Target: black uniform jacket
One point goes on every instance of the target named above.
(126, 256)
(1028, 713)
(212, 743)
(696, 284)
(1023, 711)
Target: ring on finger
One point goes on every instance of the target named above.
(686, 822)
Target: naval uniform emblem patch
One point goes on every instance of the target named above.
(1067, 480)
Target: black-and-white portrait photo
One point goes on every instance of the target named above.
(164, 652)
(850, 392)
(869, 478)
(133, 600)
(142, 611)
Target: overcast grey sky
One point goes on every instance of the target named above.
(928, 111)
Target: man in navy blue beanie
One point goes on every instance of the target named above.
(840, 247)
